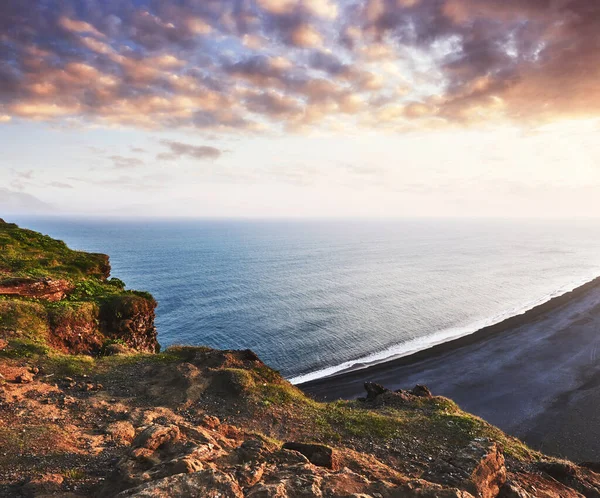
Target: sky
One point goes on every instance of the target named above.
(300, 108)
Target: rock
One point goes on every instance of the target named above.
(288, 457)
(374, 390)
(251, 450)
(276, 490)
(42, 288)
(317, 454)
(558, 470)
(207, 483)
(421, 391)
(24, 378)
(513, 490)
(3, 344)
(249, 475)
(182, 465)
(121, 432)
(131, 320)
(478, 469)
(155, 436)
(45, 484)
(210, 421)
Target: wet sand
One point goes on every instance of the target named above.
(535, 375)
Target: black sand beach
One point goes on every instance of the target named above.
(535, 375)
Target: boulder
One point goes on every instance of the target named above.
(421, 391)
(155, 436)
(374, 390)
(317, 454)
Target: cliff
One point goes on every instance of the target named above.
(196, 422)
(52, 296)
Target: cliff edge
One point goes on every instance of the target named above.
(88, 408)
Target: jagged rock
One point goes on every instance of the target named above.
(478, 469)
(374, 390)
(421, 391)
(155, 436)
(317, 454)
(207, 483)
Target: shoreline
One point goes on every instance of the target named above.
(521, 319)
(535, 375)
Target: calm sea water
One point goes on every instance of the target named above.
(311, 297)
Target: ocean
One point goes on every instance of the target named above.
(314, 297)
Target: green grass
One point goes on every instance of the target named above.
(25, 253)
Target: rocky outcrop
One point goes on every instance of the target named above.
(185, 461)
(378, 396)
(45, 288)
(317, 454)
(130, 319)
(478, 469)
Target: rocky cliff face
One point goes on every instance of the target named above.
(78, 309)
(131, 320)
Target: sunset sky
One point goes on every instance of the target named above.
(300, 108)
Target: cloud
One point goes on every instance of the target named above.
(21, 203)
(122, 162)
(180, 149)
(266, 65)
(60, 185)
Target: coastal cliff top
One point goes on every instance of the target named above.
(123, 420)
(28, 254)
(54, 297)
